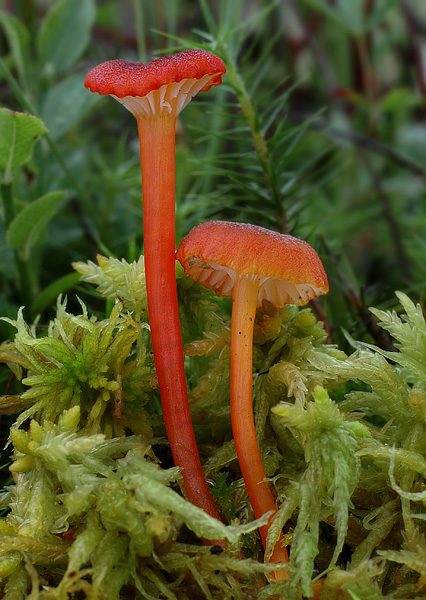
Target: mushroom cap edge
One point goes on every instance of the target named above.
(127, 78)
(241, 249)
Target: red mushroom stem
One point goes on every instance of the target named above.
(246, 290)
(157, 148)
(155, 93)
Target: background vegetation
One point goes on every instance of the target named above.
(327, 142)
(318, 130)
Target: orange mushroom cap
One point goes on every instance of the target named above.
(125, 78)
(289, 270)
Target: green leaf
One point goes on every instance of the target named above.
(65, 34)
(410, 141)
(7, 263)
(378, 13)
(52, 291)
(350, 13)
(64, 104)
(27, 227)
(347, 13)
(208, 17)
(18, 40)
(19, 133)
(400, 98)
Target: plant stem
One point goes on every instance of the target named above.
(6, 191)
(243, 429)
(140, 30)
(157, 146)
(22, 266)
(259, 141)
(395, 231)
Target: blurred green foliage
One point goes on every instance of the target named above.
(316, 130)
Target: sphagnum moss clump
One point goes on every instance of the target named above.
(118, 279)
(90, 512)
(94, 513)
(86, 362)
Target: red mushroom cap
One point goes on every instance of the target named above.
(125, 78)
(289, 270)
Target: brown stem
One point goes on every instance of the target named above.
(381, 338)
(320, 313)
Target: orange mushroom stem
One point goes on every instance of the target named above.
(250, 264)
(155, 93)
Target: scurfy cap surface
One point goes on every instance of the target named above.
(126, 78)
(289, 270)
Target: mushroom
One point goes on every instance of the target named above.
(250, 264)
(155, 93)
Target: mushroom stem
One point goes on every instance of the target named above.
(157, 149)
(246, 290)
